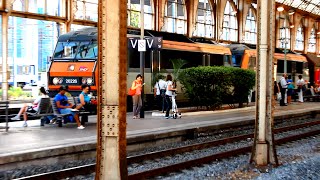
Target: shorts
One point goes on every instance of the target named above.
(67, 111)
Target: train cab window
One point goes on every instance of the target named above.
(236, 60)
(87, 50)
(65, 50)
(227, 61)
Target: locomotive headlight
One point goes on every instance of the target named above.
(89, 81)
(55, 81)
(84, 81)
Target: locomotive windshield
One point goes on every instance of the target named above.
(76, 50)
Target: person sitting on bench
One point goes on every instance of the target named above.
(65, 107)
(34, 108)
(84, 99)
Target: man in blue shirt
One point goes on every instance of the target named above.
(65, 107)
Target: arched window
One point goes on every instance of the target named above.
(312, 41)
(284, 30)
(133, 11)
(300, 39)
(230, 25)
(175, 17)
(205, 20)
(250, 29)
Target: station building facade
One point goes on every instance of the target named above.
(34, 26)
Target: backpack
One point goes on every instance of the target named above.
(279, 84)
(162, 91)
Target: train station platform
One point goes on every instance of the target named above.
(33, 142)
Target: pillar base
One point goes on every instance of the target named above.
(262, 154)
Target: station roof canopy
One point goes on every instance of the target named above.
(311, 6)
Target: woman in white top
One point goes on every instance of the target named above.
(169, 90)
(300, 83)
(34, 107)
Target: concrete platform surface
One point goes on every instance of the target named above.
(35, 138)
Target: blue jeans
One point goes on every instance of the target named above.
(68, 111)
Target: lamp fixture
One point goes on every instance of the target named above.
(318, 32)
(280, 8)
(291, 26)
(291, 12)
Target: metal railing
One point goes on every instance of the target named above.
(4, 105)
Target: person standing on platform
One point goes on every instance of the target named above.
(290, 89)
(136, 98)
(160, 92)
(276, 90)
(301, 85)
(32, 109)
(283, 89)
(169, 90)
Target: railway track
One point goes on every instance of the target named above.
(87, 169)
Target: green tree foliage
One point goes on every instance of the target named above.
(16, 93)
(177, 67)
(211, 86)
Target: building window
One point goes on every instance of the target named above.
(300, 39)
(48, 7)
(134, 9)
(230, 24)
(175, 17)
(205, 20)
(25, 70)
(250, 29)
(312, 41)
(284, 29)
(86, 10)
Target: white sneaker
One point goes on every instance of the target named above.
(81, 127)
(25, 124)
(17, 118)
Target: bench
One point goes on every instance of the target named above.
(45, 109)
(83, 115)
(308, 95)
(59, 117)
(5, 105)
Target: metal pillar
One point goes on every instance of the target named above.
(5, 56)
(142, 56)
(112, 67)
(7, 5)
(285, 45)
(263, 151)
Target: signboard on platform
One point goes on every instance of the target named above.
(149, 43)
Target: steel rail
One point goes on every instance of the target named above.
(87, 169)
(208, 159)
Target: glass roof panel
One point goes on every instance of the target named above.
(280, 1)
(316, 11)
(312, 6)
(288, 2)
(296, 3)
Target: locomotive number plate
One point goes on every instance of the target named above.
(71, 81)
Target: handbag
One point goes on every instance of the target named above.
(131, 92)
(279, 96)
(30, 109)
